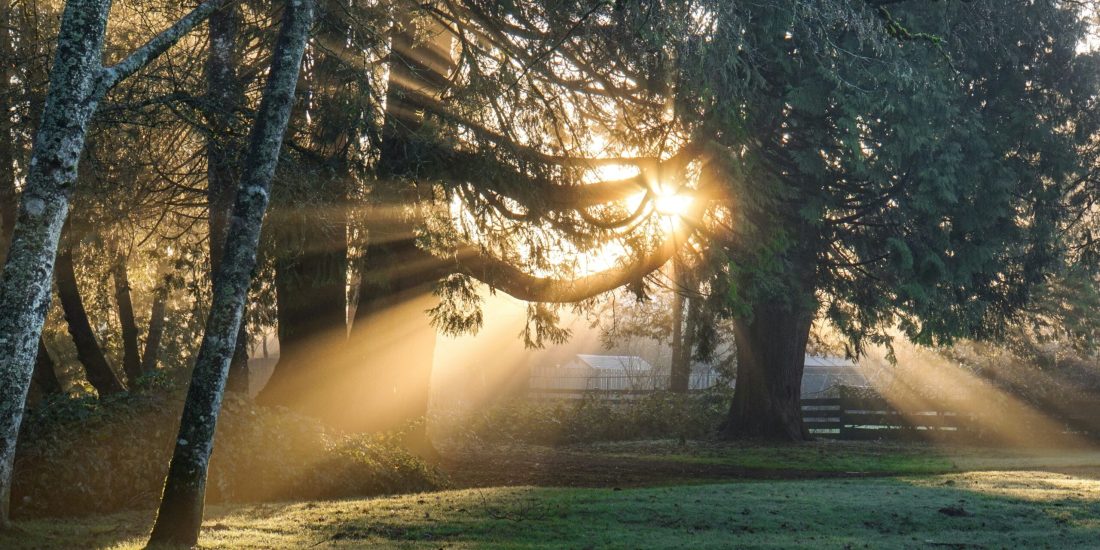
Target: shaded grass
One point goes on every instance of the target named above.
(900, 458)
(968, 510)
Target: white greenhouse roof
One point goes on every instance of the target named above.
(615, 362)
(828, 361)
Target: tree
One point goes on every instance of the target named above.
(181, 509)
(224, 98)
(98, 370)
(78, 81)
(933, 211)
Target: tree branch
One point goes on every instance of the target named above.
(519, 284)
(111, 76)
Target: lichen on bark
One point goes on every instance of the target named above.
(180, 514)
(78, 81)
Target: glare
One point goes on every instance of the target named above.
(671, 204)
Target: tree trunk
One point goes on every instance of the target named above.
(25, 289)
(691, 320)
(311, 288)
(181, 508)
(771, 354)
(225, 96)
(45, 374)
(391, 332)
(680, 370)
(131, 356)
(96, 368)
(311, 266)
(8, 190)
(395, 342)
(156, 328)
(78, 81)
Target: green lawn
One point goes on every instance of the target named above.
(848, 456)
(966, 510)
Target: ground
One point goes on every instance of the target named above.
(663, 494)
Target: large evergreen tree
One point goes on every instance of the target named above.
(913, 183)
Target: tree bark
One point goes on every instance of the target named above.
(180, 515)
(771, 354)
(156, 328)
(395, 342)
(311, 264)
(680, 370)
(96, 368)
(131, 355)
(311, 289)
(78, 81)
(225, 96)
(691, 320)
(8, 191)
(392, 343)
(45, 374)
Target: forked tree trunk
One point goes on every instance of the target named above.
(156, 328)
(771, 354)
(96, 368)
(78, 81)
(225, 95)
(181, 508)
(131, 355)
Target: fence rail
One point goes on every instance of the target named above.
(874, 418)
(853, 417)
(861, 418)
(575, 387)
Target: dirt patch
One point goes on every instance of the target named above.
(548, 467)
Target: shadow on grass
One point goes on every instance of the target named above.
(971, 510)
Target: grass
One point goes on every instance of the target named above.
(900, 458)
(819, 456)
(966, 510)
(928, 497)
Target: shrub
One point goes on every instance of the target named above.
(82, 455)
(594, 418)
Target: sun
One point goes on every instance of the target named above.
(671, 203)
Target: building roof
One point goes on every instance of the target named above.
(824, 373)
(614, 362)
(828, 361)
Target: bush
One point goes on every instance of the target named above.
(82, 455)
(654, 416)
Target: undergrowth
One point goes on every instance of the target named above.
(85, 455)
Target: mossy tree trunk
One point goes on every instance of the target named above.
(78, 81)
(225, 96)
(180, 515)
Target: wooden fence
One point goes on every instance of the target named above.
(548, 384)
(875, 418)
(868, 418)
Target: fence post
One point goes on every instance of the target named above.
(844, 403)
